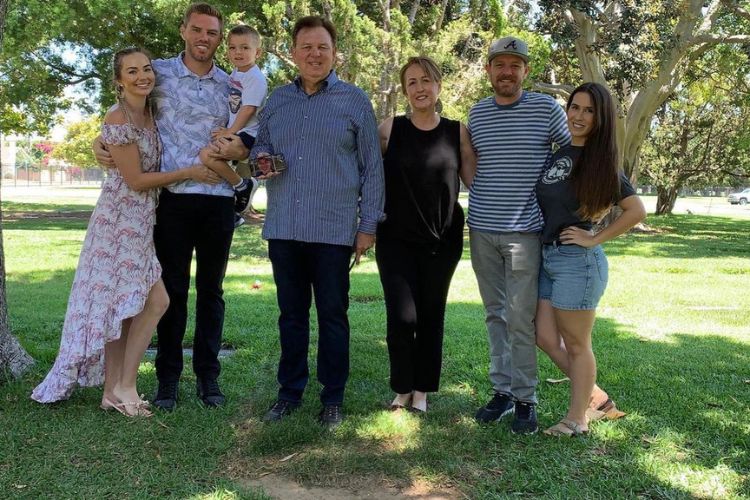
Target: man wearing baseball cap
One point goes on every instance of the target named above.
(513, 132)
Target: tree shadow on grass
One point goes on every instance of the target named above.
(685, 398)
(688, 236)
(46, 224)
(248, 243)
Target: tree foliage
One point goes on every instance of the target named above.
(55, 44)
(640, 49)
(700, 135)
(76, 148)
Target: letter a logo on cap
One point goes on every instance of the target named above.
(509, 45)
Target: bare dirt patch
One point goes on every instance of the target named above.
(277, 478)
(282, 488)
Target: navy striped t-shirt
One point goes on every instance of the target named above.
(513, 144)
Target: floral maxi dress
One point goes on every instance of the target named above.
(115, 273)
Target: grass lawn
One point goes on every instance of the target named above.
(672, 339)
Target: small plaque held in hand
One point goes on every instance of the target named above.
(265, 165)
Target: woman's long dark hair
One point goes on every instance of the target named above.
(596, 177)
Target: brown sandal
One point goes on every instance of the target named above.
(566, 427)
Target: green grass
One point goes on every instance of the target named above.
(672, 340)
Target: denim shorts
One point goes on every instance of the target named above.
(573, 277)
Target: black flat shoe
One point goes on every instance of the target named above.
(209, 393)
(331, 416)
(166, 396)
(279, 410)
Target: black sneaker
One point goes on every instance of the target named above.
(524, 420)
(279, 410)
(208, 391)
(166, 396)
(238, 220)
(499, 406)
(243, 194)
(331, 416)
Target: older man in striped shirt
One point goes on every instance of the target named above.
(322, 208)
(513, 133)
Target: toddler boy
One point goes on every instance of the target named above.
(247, 91)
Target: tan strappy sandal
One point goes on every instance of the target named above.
(566, 427)
(140, 408)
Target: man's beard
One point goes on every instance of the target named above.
(509, 89)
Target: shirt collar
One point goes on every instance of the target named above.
(183, 70)
(327, 83)
(511, 105)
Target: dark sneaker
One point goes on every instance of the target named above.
(238, 220)
(279, 410)
(499, 406)
(243, 194)
(209, 392)
(166, 396)
(331, 416)
(524, 420)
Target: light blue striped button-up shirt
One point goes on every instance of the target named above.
(333, 185)
(188, 108)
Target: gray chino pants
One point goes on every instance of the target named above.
(507, 270)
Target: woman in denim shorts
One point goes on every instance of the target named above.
(579, 187)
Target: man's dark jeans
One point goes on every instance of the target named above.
(301, 269)
(187, 222)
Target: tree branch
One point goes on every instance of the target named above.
(82, 77)
(734, 6)
(281, 56)
(711, 40)
(555, 89)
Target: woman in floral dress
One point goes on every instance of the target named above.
(118, 296)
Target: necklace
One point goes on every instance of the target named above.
(147, 118)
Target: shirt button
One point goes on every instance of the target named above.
(299, 157)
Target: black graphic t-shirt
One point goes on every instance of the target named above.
(556, 196)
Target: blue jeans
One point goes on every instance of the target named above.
(299, 270)
(573, 277)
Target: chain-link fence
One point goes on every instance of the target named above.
(45, 175)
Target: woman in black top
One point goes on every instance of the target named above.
(421, 241)
(579, 187)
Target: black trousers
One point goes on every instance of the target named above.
(300, 270)
(416, 279)
(187, 223)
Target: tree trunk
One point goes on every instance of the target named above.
(441, 16)
(387, 97)
(633, 128)
(13, 358)
(413, 11)
(666, 196)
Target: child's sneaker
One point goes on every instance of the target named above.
(238, 220)
(243, 194)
